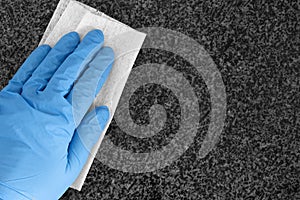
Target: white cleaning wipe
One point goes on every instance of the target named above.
(125, 41)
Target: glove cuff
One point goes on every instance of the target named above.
(7, 193)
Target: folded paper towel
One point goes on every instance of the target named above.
(75, 16)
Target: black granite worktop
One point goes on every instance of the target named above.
(256, 48)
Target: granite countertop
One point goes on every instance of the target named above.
(256, 48)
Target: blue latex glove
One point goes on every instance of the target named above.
(45, 136)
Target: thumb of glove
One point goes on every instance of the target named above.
(85, 137)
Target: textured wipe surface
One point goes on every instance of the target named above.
(118, 37)
(256, 48)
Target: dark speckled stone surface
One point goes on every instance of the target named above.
(256, 47)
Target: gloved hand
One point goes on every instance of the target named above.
(45, 136)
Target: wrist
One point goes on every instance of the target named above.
(8, 193)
